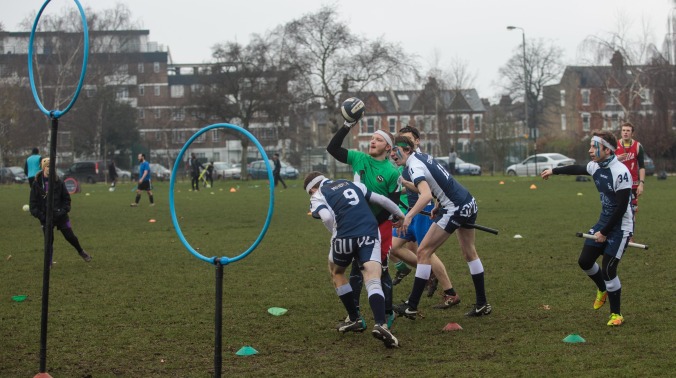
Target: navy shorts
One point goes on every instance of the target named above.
(464, 214)
(616, 242)
(363, 249)
(145, 185)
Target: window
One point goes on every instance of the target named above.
(563, 122)
(563, 97)
(141, 90)
(156, 67)
(158, 113)
(404, 120)
(156, 90)
(586, 122)
(158, 135)
(177, 136)
(585, 96)
(370, 125)
(122, 93)
(465, 124)
(612, 96)
(178, 114)
(141, 113)
(140, 68)
(477, 124)
(201, 138)
(123, 69)
(176, 91)
(196, 88)
(645, 96)
(402, 97)
(393, 124)
(215, 136)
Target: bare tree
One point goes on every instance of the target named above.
(330, 61)
(246, 85)
(543, 66)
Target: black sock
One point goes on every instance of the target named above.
(478, 280)
(151, 198)
(598, 280)
(450, 291)
(138, 198)
(418, 288)
(377, 301)
(348, 302)
(614, 297)
(386, 283)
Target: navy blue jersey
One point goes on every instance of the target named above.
(348, 203)
(609, 180)
(448, 192)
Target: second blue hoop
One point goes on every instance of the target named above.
(174, 172)
(85, 54)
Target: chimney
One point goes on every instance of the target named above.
(617, 61)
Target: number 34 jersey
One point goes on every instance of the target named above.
(348, 203)
(608, 181)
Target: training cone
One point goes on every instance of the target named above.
(246, 351)
(573, 338)
(277, 311)
(152, 221)
(532, 186)
(517, 236)
(452, 327)
(579, 194)
(19, 298)
(502, 183)
(233, 190)
(42, 375)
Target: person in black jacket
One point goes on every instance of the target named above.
(277, 171)
(38, 207)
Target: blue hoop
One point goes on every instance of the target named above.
(58, 113)
(174, 172)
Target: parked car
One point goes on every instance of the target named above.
(649, 165)
(14, 175)
(257, 170)
(157, 172)
(461, 166)
(542, 161)
(87, 171)
(224, 170)
(122, 174)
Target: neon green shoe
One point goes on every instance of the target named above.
(600, 300)
(616, 320)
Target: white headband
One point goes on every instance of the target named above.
(387, 138)
(314, 182)
(598, 139)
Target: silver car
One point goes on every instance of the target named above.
(534, 164)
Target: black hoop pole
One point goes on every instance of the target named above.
(49, 239)
(218, 320)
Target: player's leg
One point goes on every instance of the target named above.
(69, 235)
(466, 238)
(372, 276)
(614, 249)
(435, 237)
(338, 262)
(401, 255)
(587, 262)
(150, 197)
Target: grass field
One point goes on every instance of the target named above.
(144, 307)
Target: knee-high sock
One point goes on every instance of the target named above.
(595, 274)
(422, 275)
(356, 281)
(614, 294)
(476, 269)
(376, 300)
(345, 294)
(386, 282)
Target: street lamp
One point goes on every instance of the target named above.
(532, 132)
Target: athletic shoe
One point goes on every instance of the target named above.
(406, 310)
(401, 274)
(480, 310)
(134, 204)
(432, 285)
(381, 332)
(152, 204)
(616, 320)
(85, 256)
(448, 301)
(348, 325)
(600, 300)
(390, 319)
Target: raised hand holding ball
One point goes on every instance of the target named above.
(352, 110)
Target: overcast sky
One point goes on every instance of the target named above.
(473, 31)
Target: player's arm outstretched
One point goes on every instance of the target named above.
(567, 170)
(335, 145)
